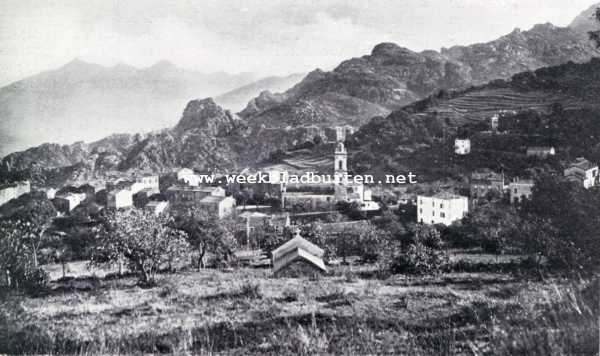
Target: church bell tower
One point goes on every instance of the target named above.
(340, 160)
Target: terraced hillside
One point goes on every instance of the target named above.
(481, 104)
(420, 136)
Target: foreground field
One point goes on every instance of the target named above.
(248, 311)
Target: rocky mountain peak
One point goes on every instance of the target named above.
(389, 49)
(205, 114)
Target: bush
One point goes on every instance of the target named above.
(35, 281)
(418, 259)
(250, 290)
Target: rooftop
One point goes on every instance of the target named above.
(486, 175)
(522, 182)
(582, 163)
(195, 189)
(213, 199)
(445, 196)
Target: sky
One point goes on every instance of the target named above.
(274, 37)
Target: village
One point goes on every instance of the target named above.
(287, 206)
(167, 245)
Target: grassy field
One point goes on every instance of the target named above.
(247, 311)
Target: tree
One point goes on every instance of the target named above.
(205, 233)
(491, 226)
(314, 233)
(564, 217)
(268, 238)
(16, 259)
(145, 241)
(367, 241)
(36, 210)
(423, 254)
(390, 222)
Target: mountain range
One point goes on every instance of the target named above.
(393, 90)
(85, 101)
(392, 76)
(561, 103)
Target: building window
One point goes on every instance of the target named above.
(442, 215)
(421, 211)
(433, 213)
(441, 205)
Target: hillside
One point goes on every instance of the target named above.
(392, 76)
(207, 138)
(238, 98)
(419, 136)
(84, 101)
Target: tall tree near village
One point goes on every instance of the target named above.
(206, 234)
(145, 241)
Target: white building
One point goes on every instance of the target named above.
(13, 191)
(119, 199)
(520, 189)
(462, 146)
(442, 208)
(157, 207)
(192, 195)
(188, 177)
(149, 183)
(541, 151)
(583, 172)
(219, 205)
(51, 193)
(495, 122)
(67, 202)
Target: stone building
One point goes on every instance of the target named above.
(186, 195)
(119, 199)
(520, 189)
(220, 206)
(157, 207)
(484, 182)
(324, 196)
(13, 190)
(64, 203)
(583, 172)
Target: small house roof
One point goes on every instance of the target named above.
(295, 255)
(297, 242)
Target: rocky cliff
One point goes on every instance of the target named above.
(392, 76)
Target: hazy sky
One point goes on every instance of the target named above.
(265, 37)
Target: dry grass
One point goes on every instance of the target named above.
(249, 312)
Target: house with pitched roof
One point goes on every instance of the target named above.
(582, 172)
(298, 257)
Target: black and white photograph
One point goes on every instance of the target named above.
(300, 177)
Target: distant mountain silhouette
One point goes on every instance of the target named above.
(238, 98)
(85, 101)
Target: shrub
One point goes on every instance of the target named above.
(418, 258)
(250, 290)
